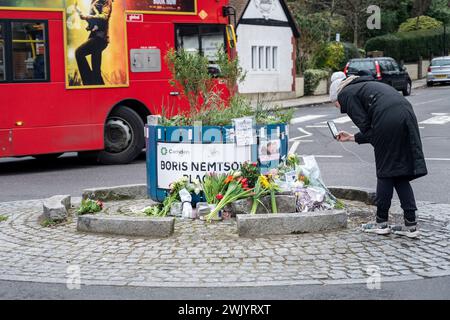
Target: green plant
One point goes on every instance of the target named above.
(90, 206)
(410, 46)
(420, 23)
(49, 223)
(312, 79)
(213, 185)
(230, 71)
(339, 205)
(330, 56)
(3, 218)
(190, 75)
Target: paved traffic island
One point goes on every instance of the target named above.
(200, 254)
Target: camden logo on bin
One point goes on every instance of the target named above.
(165, 151)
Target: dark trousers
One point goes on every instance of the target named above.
(93, 47)
(385, 191)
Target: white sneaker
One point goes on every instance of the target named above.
(410, 232)
(377, 228)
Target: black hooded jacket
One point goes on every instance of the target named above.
(387, 121)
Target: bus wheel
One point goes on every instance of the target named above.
(124, 137)
(47, 157)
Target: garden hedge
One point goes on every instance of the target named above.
(312, 79)
(409, 46)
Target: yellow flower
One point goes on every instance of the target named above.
(264, 181)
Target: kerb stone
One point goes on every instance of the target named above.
(290, 223)
(126, 192)
(127, 226)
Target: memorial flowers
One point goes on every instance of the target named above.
(268, 183)
(236, 189)
(163, 209)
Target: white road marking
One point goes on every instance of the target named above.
(437, 120)
(298, 140)
(317, 126)
(306, 134)
(340, 120)
(306, 118)
(437, 159)
(327, 156)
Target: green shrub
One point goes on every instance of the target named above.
(409, 46)
(420, 23)
(312, 79)
(330, 56)
(334, 56)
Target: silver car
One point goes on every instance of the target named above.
(439, 71)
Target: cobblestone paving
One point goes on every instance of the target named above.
(205, 255)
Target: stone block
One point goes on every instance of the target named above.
(56, 208)
(127, 226)
(290, 223)
(367, 196)
(126, 192)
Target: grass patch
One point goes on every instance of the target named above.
(3, 218)
(50, 223)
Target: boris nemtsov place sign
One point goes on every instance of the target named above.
(175, 160)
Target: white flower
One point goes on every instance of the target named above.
(237, 174)
(197, 190)
(196, 182)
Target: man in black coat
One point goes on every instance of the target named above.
(387, 121)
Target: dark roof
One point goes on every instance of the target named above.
(241, 6)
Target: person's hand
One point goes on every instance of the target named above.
(83, 17)
(345, 136)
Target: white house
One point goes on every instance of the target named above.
(266, 46)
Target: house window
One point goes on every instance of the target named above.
(264, 58)
(254, 57)
(268, 58)
(261, 58)
(275, 58)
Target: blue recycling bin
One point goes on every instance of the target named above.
(174, 152)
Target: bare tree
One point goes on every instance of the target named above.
(355, 12)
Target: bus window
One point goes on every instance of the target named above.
(2, 53)
(205, 39)
(212, 37)
(188, 38)
(29, 51)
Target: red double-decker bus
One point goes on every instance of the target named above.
(83, 75)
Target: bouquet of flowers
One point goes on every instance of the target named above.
(236, 188)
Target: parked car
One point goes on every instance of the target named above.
(439, 71)
(383, 69)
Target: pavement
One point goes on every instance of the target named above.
(202, 255)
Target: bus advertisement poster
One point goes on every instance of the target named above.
(95, 37)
